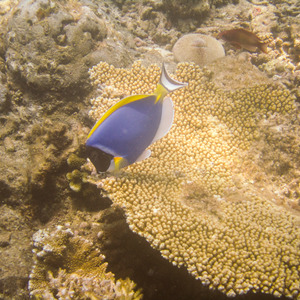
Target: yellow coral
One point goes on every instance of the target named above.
(186, 199)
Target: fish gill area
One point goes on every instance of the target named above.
(53, 217)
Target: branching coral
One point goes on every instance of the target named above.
(187, 200)
(68, 266)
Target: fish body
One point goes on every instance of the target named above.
(241, 38)
(124, 132)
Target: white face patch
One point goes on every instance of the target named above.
(112, 166)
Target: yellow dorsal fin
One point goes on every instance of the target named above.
(160, 92)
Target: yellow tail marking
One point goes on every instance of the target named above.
(160, 92)
(118, 163)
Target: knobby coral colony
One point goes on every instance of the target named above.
(234, 242)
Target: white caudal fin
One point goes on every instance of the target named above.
(168, 83)
(166, 120)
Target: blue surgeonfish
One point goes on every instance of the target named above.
(122, 135)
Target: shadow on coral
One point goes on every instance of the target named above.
(89, 199)
(129, 255)
(10, 284)
(4, 191)
(47, 201)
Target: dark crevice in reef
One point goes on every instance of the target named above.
(47, 200)
(8, 287)
(129, 255)
(89, 199)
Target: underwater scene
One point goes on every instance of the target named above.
(150, 149)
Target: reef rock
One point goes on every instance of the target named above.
(15, 252)
(198, 48)
(191, 8)
(3, 100)
(49, 45)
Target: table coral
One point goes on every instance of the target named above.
(188, 199)
(68, 266)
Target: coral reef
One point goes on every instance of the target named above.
(186, 9)
(274, 161)
(75, 161)
(68, 266)
(273, 22)
(33, 156)
(198, 48)
(47, 144)
(3, 100)
(44, 99)
(49, 45)
(15, 249)
(226, 73)
(189, 199)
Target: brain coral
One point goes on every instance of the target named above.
(198, 48)
(67, 266)
(189, 200)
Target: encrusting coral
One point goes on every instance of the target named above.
(76, 178)
(67, 266)
(188, 199)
